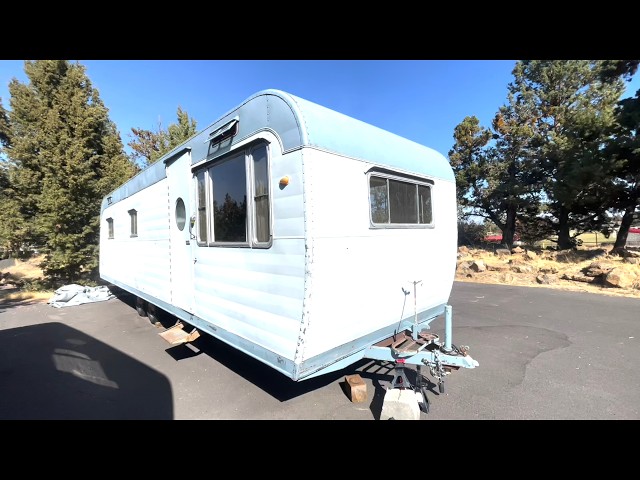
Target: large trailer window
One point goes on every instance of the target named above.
(233, 198)
(395, 201)
(229, 186)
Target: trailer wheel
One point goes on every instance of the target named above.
(141, 307)
(152, 314)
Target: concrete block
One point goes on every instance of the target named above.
(400, 404)
(356, 388)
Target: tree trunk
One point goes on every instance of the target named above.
(564, 238)
(625, 224)
(509, 230)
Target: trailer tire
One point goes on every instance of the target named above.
(141, 307)
(152, 314)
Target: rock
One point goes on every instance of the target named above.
(548, 270)
(502, 251)
(463, 249)
(633, 260)
(478, 266)
(530, 255)
(517, 250)
(523, 269)
(575, 277)
(546, 279)
(619, 278)
(493, 267)
(506, 277)
(596, 269)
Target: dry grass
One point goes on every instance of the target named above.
(524, 269)
(515, 269)
(23, 271)
(27, 269)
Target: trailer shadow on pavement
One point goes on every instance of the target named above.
(51, 371)
(379, 373)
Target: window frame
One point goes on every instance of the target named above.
(110, 228)
(405, 179)
(133, 216)
(247, 150)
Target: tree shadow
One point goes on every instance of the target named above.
(51, 371)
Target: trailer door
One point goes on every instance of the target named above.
(181, 243)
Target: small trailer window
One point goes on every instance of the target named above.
(203, 236)
(181, 214)
(110, 224)
(396, 201)
(134, 222)
(233, 200)
(261, 195)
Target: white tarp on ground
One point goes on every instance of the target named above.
(71, 295)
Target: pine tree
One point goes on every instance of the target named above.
(573, 102)
(148, 146)
(625, 149)
(5, 130)
(493, 180)
(65, 156)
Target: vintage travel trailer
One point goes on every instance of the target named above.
(301, 236)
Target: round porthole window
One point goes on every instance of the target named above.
(181, 214)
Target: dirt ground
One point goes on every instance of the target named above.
(593, 270)
(14, 274)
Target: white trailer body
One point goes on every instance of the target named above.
(294, 233)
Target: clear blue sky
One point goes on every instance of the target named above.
(422, 100)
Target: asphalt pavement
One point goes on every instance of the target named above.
(543, 354)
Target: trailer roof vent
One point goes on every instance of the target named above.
(226, 131)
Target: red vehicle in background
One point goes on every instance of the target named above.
(497, 238)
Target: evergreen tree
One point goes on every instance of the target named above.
(148, 146)
(573, 102)
(5, 130)
(4, 177)
(493, 181)
(65, 155)
(625, 149)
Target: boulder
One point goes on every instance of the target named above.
(523, 269)
(576, 277)
(546, 279)
(478, 266)
(597, 269)
(619, 278)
